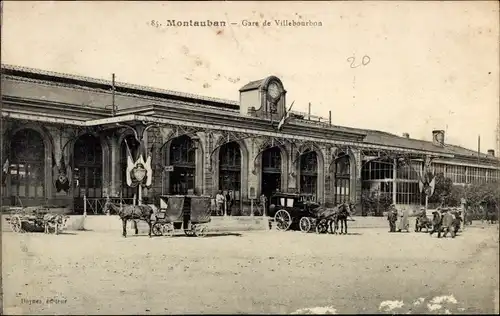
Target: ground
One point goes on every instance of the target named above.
(367, 271)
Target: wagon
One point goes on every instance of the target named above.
(288, 209)
(28, 219)
(190, 213)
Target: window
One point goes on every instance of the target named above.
(409, 172)
(342, 179)
(230, 169)
(456, 173)
(88, 163)
(27, 169)
(182, 157)
(271, 160)
(377, 170)
(407, 193)
(182, 151)
(309, 173)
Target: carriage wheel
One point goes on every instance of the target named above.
(168, 230)
(157, 229)
(200, 231)
(322, 226)
(16, 224)
(283, 220)
(305, 224)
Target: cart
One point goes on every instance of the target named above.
(190, 213)
(28, 219)
(288, 210)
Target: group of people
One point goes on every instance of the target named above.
(224, 202)
(448, 218)
(398, 220)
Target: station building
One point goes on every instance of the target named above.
(76, 127)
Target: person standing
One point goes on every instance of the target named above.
(219, 200)
(263, 203)
(392, 218)
(229, 202)
(403, 221)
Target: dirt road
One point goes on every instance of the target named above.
(369, 271)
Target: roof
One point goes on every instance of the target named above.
(372, 136)
(252, 85)
(107, 84)
(384, 138)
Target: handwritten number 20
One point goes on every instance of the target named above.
(365, 61)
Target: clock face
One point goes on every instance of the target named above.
(273, 90)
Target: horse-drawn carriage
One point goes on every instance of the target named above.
(287, 209)
(190, 213)
(295, 211)
(36, 219)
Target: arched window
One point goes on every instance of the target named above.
(309, 174)
(230, 170)
(271, 171)
(342, 179)
(87, 158)
(182, 157)
(27, 169)
(133, 144)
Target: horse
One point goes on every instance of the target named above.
(333, 215)
(327, 214)
(436, 223)
(54, 220)
(344, 212)
(457, 221)
(422, 221)
(448, 224)
(132, 212)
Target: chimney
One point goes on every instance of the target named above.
(438, 137)
(491, 152)
(406, 135)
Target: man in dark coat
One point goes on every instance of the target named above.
(436, 223)
(392, 217)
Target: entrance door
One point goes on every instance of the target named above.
(87, 159)
(271, 183)
(182, 179)
(271, 172)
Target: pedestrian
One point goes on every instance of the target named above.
(263, 203)
(392, 218)
(219, 200)
(436, 223)
(403, 223)
(229, 202)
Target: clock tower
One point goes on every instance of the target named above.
(263, 98)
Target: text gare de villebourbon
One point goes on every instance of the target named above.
(244, 23)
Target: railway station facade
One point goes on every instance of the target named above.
(65, 137)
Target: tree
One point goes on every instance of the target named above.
(375, 202)
(442, 189)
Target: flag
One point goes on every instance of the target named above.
(130, 164)
(421, 180)
(5, 170)
(432, 185)
(285, 118)
(149, 169)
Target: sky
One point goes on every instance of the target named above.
(429, 65)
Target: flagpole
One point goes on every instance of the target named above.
(478, 147)
(113, 109)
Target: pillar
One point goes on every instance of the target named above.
(394, 180)
(115, 165)
(254, 169)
